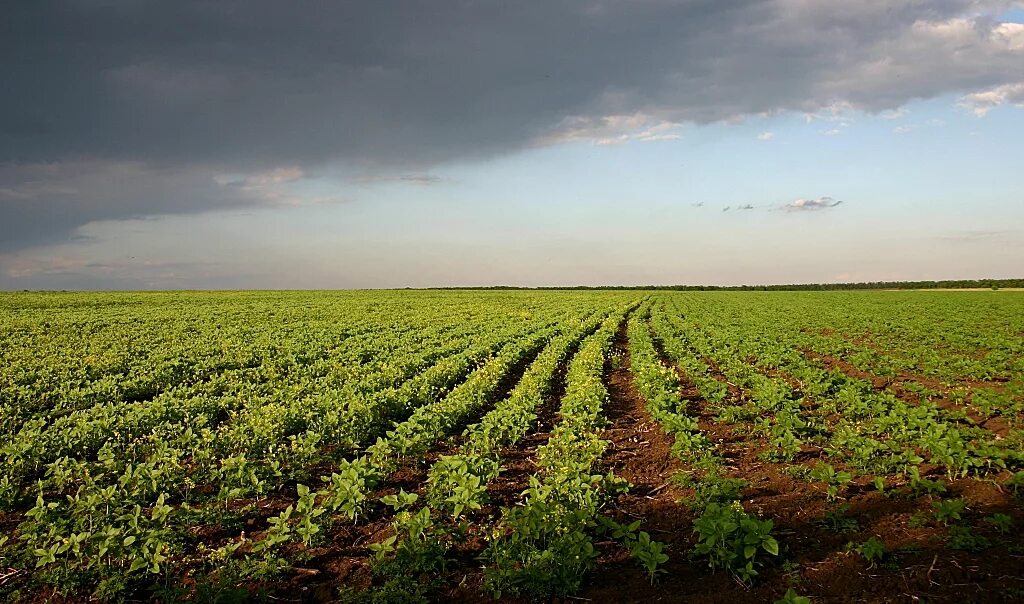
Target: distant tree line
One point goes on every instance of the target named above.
(944, 284)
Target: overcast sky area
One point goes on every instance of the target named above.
(257, 144)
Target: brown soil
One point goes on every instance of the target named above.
(518, 462)
(343, 560)
(818, 559)
(820, 564)
(640, 452)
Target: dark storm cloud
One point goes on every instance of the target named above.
(189, 90)
(42, 203)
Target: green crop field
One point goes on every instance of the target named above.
(403, 446)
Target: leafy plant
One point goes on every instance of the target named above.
(948, 510)
(650, 553)
(964, 538)
(791, 597)
(838, 521)
(400, 500)
(1016, 483)
(1001, 522)
(924, 486)
(731, 539)
(833, 480)
(872, 550)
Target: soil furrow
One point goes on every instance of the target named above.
(345, 558)
(640, 452)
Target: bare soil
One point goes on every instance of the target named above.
(816, 560)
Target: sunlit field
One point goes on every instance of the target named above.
(473, 445)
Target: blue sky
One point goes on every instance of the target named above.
(909, 188)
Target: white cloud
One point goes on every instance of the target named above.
(893, 114)
(766, 136)
(411, 178)
(812, 204)
(611, 130)
(1010, 34)
(275, 176)
(980, 103)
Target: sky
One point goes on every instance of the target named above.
(258, 144)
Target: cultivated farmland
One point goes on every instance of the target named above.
(472, 446)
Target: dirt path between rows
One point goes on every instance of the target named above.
(640, 452)
(825, 571)
(518, 464)
(344, 560)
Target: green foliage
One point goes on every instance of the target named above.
(731, 539)
(1016, 483)
(833, 480)
(1000, 522)
(400, 500)
(651, 554)
(872, 550)
(546, 544)
(924, 486)
(948, 510)
(964, 538)
(839, 521)
(136, 424)
(791, 597)
(715, 488)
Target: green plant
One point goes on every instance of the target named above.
(948, 510)
(833, 480)
(454, 486)
(400, 500)
(963, 538)
(791, 597)
(1001, 522)
(924, 486)
(650, 553)
(838, 521)
(917, 520)
(731, 539)
(872, 550)
(786, 446)
(715, 488)
(1016, 483)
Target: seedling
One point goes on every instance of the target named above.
(731, 539)
(948, 510)
(963, 538)
(872, 550)
(838, 521)
(791, 597)
(400, 500)
(833, 480)
(1001, 522)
